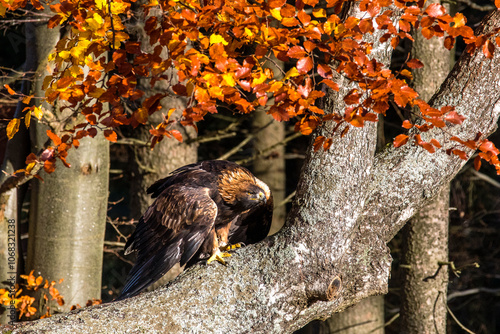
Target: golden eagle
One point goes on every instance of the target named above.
(199, 212)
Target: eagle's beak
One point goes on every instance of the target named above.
(261, 196)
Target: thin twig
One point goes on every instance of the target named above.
(458, 322)
(287, 199)
(236, 148)
(390, 321)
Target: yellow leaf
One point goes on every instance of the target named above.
(80, 49)
(293, 72)
(27, 99)
(258, 78)
(38, 112)
(95, 22)
(170, 112)
(101, 4)
(275, 12)
(216, 38)
(64, 54)
(118, 7)
(216, 92)
(228, 80)
(27, 119)
(30, 166)
(13, 127)
(319, 12)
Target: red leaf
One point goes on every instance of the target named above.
(477, 162)
(400, 140)
(488, 146)
(454, 118)
(435, 143)
(414, 63)
(304, 65)
(331, 84)
(325, 71)
(318, 142)
(296, 52)
(352, 98)
(435, 10)
(177, 135)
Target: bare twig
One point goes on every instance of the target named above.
(458, 322)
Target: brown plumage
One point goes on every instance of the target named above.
(199, 209)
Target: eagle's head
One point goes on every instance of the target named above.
(251, 196)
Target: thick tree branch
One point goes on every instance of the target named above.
(349, 204)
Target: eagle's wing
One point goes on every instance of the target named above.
(171, 231)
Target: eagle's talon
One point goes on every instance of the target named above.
(218, 256)
(231, 247)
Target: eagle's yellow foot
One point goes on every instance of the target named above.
(218, 256)
(231, 247)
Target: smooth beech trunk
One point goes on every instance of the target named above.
(332, 251)
(425, 236)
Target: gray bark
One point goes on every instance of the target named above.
(270, 167)
(425, 236)
(332, 252)
(67, 223)
(68, 209)
(423, 306)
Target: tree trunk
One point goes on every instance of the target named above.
(423, 306)
(270, 167)
(67, 222)
(332, 252)
(425, 236)
(68, 209)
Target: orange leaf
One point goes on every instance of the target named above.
(407, 124)
(49, 166)
(461, 154)
(400, 140)
(10, 90)
(110, 135)
(488, 49)
(477, 162)
(177, 135)
(54, 137)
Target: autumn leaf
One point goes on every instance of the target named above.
(435, 10)
(414, 63)
(454, 118)
(400, 140)
(304, 65)
(110, 135)
(10, 90)
(13, 127)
